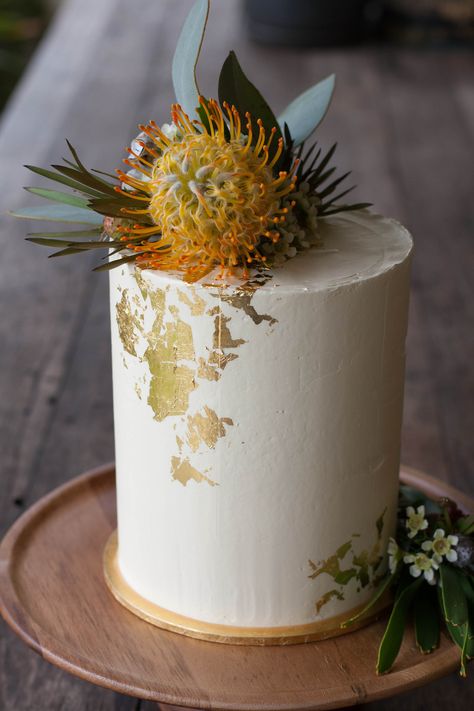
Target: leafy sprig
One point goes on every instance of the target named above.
(450, 599)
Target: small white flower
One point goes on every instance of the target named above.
(394, 555)
(421, 564)
(442, 545)
(416, 520)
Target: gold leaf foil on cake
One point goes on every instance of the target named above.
(324, 599)
(183, 471)
(128, 323)
(242, 300)
(196, 304)
(205, 429)
(222, 336)
(363, 567)
(171, 382)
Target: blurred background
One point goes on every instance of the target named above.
(297, 23)
(90, 71)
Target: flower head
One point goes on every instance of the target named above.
(416, 520)
(422, 564)
(211, 192)
(394, 555)
(442, 546)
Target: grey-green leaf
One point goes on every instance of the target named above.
(58, 196)
(306, 112)
(186, 57)
(59, 213)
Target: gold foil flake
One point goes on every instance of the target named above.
(211, 369)
(197, 304)
(138, 390)
(221, 359)
(324, 599)
(206, 371)
(141, 283)
(183, 471)
(169, 391)
(222, 336)
(171, 383)
(242, 300)
(363, 566)
(128, 323)
(205, 429)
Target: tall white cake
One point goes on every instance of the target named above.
(258, 437)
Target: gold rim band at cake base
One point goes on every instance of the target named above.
(225, 634)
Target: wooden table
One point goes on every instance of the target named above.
(405, 123)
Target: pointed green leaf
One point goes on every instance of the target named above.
(58, 178)
(393, 636)
(68, 233)
(426, 614)
(336, 209)
(115, 263)
(465, 525)
(306, 112)
(45, 242)
(64, 252)
(453, 598)
(186, 57)
(87, 179)
(59, 213)
(57, 196)
(237, 90)
(381, 590)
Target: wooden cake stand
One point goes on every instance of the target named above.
(53, 595)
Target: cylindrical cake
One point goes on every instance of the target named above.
(257, 430)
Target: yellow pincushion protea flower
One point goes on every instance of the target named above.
(212, 192)
(228, 185)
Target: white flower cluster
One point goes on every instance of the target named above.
(441, 547)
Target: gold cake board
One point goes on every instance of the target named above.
(226, 634)
(54, 596)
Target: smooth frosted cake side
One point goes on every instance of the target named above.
(258, 430)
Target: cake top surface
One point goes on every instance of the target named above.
(356, 246)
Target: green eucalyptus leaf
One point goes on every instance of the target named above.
(237, 90)
(57, 196)
(306, 112)
(186, 57)
(59, 213)
(393, 636)
(453, 598)
(427, 622)
(385, 584)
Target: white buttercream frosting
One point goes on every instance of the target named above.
(258, 429)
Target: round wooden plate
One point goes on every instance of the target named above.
(53, 594)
